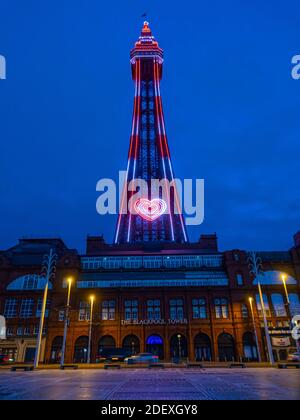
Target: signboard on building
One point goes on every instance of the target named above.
(155, 322)
(2, 328)
(281, 341)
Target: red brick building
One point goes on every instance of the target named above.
(189, 300)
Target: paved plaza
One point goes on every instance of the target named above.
(145, 384)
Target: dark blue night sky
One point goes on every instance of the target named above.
(231, 108)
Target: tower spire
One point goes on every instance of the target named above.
(154, 215)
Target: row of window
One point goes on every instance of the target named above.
(26, 309)
(153, 309)
(23, 331)
(278, 304)
(189, 261)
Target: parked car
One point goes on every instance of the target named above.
(142, 358)
(294, 357)
(5, 360)
(112, 355)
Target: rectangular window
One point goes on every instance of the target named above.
(19, 331)
(199, 309)
(266, 305)
(221, 308)
(176, 309)
(10, 309)
(153, 309)
(27, 331)
(108, 310)
(39, 307)
(26, 308)
(61, 315)
(84, 311)
(9, 331)
(245, 313)
(131, 310)
(239, 279)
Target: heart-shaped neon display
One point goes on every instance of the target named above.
(150, 209)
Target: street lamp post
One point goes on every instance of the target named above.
(283, 278)
(49, 271)
(255, 330)
(255, 266)
(62, 360)
(179, 347)
(90, 330)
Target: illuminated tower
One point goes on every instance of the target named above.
(155, 217)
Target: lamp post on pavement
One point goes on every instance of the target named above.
(90, 330)
(254, 327)
(66, 324)
(290, 312)
(48, 271)
(255, 266)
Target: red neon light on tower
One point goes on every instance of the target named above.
(154, 218)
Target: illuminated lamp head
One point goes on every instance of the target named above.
(150, 209)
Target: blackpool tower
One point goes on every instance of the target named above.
(155, 216)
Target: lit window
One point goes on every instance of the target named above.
(84, 311)
(278, 304)
(10, 309)
(176, 309)
(61, 315)
(221, 308)
(266, 305)
(239, 279)
(153, 309)
(108, 310)
(131, 310)
(39, 307)
(30, 282)
(26, 308)
(294, 304)
(9, 331)
(245, 312)
(27, 331)
(199, 309)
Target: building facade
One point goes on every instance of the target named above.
(153, 290)
(188, 301)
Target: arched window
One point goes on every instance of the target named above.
(56, 349)
(278, 304)
(226, 348)
(29, 282)
(178, 346)
(273, 278)
(81, 349)
(249, 345)
(131, 343)
(155, 345)
(106, 342)
(202, 345)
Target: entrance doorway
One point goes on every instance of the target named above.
(202, 345)
(226, 348)
(155, 345)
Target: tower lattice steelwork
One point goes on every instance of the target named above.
(156, 216)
